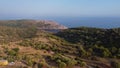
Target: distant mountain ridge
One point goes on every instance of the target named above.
(40, 24)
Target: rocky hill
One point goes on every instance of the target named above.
(40, 24)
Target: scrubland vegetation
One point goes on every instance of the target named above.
(70, 48)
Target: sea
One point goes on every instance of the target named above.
(97, 22)
(71, 22)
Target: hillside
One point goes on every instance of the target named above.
(25, 46)
(40, 24)
(92, 36)
(106, 39)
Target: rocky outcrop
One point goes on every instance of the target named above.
(44, 24)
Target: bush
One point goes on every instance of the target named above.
(71, 63)
(82, 51)
(28, 59)
(10, 58)
(16, 49)
(101, 51)
(62, 65)
(59, 57)
(80, 61)
(12, 53)
(43, 65)
(82, 64)
(40, 65)
(115, 64)
(30, 62)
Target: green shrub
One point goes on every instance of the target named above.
(82, 51)
(28, 59)
(12, 53)
(40, 65)
(115, 64)
(62, 65)
(60, 57)
(10, 58)
(82, 64)
(43, 65)
(58, 61)
(30, 62)
(71, 63)
(16, 49)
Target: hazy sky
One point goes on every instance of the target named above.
(36, 8)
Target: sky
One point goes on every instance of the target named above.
(60, 8)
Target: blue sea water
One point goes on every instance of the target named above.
(90, 22)
(99, 22)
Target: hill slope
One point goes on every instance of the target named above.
(40, 24)
(101, 42)
(27, 46)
